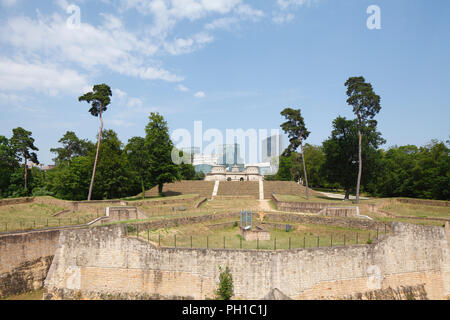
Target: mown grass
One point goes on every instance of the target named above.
(416, 210)
(303, 236)
(314, 198)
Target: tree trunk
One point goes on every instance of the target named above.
(160, 189)
(96, 155)
(358, 185)
(347, 195)
(143, 188)
(26, 174)
(304, 170)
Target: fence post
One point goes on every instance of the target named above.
(159, 240)
(224, 242)
(318, 241)
(369, 236)
(356, 238)
(289, 243)
(377, 233)
(175, 238)
(275, 244)
(207, 242)
(344, 240)
(6, 226)
(331, 240)
(191, 242)
(304, 242)
(257, 244)
(148, 234)
(240, 240)
(385, 229)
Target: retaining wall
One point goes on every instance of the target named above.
(103, 263)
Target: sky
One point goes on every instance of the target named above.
(228, 63)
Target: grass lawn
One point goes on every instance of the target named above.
(314, 198)
(415, 210)
(34, 295)
(229, 237)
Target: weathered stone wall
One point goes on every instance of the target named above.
(309, 207)
(257, 233)
(340, 212)
(25, 259)
(321, 220)
(103, 263)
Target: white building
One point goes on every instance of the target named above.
(220, 173)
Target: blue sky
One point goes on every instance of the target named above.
(230, 63)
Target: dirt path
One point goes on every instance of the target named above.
(265, 206)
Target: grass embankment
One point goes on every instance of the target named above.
(179, 197)
(413, 213)
(315, 198)
(306, 235)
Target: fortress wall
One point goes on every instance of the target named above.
(25, 259)
(102, 263)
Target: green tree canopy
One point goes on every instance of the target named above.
(72, 147)
(297, 132)
(341, 153)
(23, 144)
(366, 104)
(159, 147)
(99, 99)
(138, 158)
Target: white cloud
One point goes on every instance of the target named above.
(286, 7)
(109, 45)
(135, 103)
(47, 78)
(200, 94)
(182, 88)
(183, 46)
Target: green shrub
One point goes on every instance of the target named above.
(225, 290)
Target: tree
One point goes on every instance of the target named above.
(159, 147)
(70, 181)
(297, 132)
(116, 178)
(23, 144)
(315, 158)
(341, 153)
(138, 158)
(226, 287)
(8, 163)
(366, 104)
(72, 147)
(99, 99)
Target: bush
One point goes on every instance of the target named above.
(225, 290)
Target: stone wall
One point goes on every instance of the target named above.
(103, 263)
(339, 212)
(309, 207)
(256, 234)
(25, 259)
